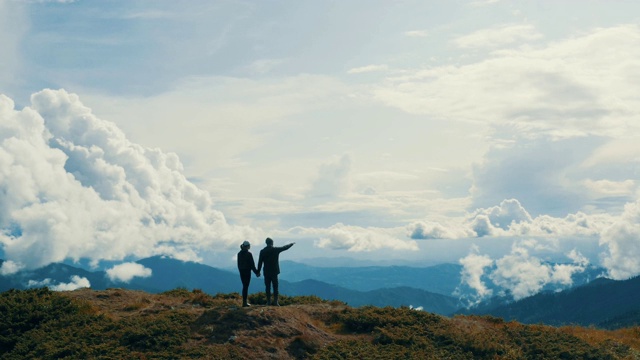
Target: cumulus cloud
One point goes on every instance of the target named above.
(622, 255)
(76, 282)
(357, 239)
(127, 271)
(509, 211)
(510, 218)
(73, 186)
(519, 272)
(473, 269)
(422, 230)
(9, 267)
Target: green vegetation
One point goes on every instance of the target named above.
(116, 323)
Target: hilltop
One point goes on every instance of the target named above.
(117, 323)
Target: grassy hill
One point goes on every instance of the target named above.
(117, 323)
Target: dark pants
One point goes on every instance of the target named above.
(245, 276)
(271, 280)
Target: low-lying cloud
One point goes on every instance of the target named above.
(519, 273)
(77, 282)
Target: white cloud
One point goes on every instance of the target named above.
(524, 275)
(621, 240)
(9, 267)
(127, 271)
(434, 230)
(368, 69)
(473, 269)
(77, 282)
(499, 36)
(356, 238)
(575, 87)
(511, 219)
(509, 211)
(75, 187)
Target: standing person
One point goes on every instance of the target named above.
(246, 265)
(269, 256)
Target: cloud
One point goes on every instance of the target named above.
(73, 186)
(524, 275)
(422, 230)
(498, 36)
(542, 173)
(473, 269)
(518, 272)
(127, 271)
(622, 255)
(356, 238)
(333, 179)
(367, 69)
(509, 211)
(575, 87)
(9, 267)
(511, 219)
(77, 282)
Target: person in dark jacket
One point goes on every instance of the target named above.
(269, 256)
(246, 265)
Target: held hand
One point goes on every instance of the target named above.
(258, 274)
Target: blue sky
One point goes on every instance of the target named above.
(497, 133)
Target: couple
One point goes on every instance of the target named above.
(269, 257)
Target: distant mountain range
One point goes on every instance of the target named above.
(441, 279)
(602, 303)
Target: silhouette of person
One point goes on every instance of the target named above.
(269, 256)
(245, 266)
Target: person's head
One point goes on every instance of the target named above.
(245, 245)
(269, 242)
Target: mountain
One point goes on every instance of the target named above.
(442, 279)
(399, 296)
(168, 273)
(179, 324)
(603, 303)
(51, 274)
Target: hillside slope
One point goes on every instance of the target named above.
(117, 323)
(604, 303)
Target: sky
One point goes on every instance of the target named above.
(500, 135)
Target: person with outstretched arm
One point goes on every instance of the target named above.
(246, 265)
(269, 257)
